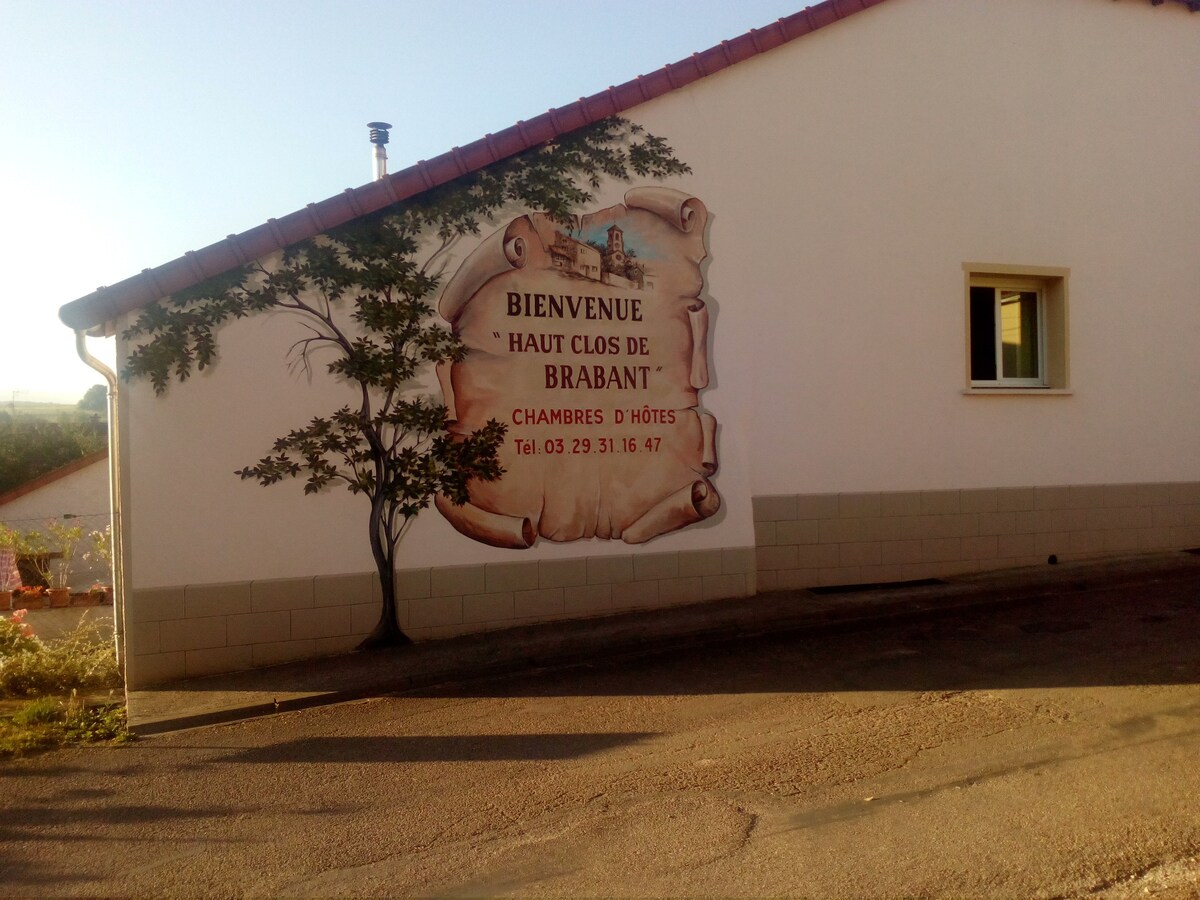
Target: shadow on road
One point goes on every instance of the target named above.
(1093, 626)
(433, 748)
(1072, 641)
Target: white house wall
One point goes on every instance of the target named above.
(189, 509)
(849, 176)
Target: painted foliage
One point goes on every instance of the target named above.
(589, 340)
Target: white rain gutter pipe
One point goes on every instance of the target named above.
(114, 499)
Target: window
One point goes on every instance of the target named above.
(1006, 330)
(1016, 328)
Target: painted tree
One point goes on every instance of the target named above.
(364, 292)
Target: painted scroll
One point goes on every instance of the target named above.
(590, 341)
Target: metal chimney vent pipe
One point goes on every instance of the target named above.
(379, 138)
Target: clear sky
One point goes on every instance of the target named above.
(131, 132)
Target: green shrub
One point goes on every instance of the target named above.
(84, 660)
(105, 722)
(58, 674)
(16, 635)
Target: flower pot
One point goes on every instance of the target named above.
(88, 598)
(59, 597)
(6, 601)
(28, 602)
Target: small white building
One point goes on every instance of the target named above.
(76, 494)
(926, 304)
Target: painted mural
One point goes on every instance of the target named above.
(590, 341)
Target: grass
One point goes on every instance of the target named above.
(57, 412)
(48, 722)
(52, 692)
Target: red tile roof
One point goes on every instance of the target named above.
(108, 303)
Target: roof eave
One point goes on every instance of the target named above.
(109, 304)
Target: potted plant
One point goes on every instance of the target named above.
(29, 597)
(49, 555)
(99, 551)
(31, 554)
(93, 596)
(62, 543)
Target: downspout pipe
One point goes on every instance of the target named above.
(117, 547)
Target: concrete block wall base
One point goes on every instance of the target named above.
(263, 691)
(801, 541)
(195, 630)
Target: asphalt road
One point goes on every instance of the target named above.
(1044, 750)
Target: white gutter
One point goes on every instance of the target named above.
(114, 498)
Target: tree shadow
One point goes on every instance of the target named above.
(81, 827)
(22, 822)
(72, 825)
(84, 794)
(435, 748)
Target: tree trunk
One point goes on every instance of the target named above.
(387, 633)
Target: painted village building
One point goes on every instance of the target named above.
(925, 304)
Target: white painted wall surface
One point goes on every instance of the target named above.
(848, 175)
(193, 521)
(852, 172)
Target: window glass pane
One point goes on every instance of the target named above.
(983, 334)
(1018, 333)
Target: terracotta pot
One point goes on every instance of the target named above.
(6, 601)
(28, 602)
(86, 599)
(59, 597)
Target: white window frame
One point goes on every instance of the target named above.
(997, 286)
(1050, 285)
